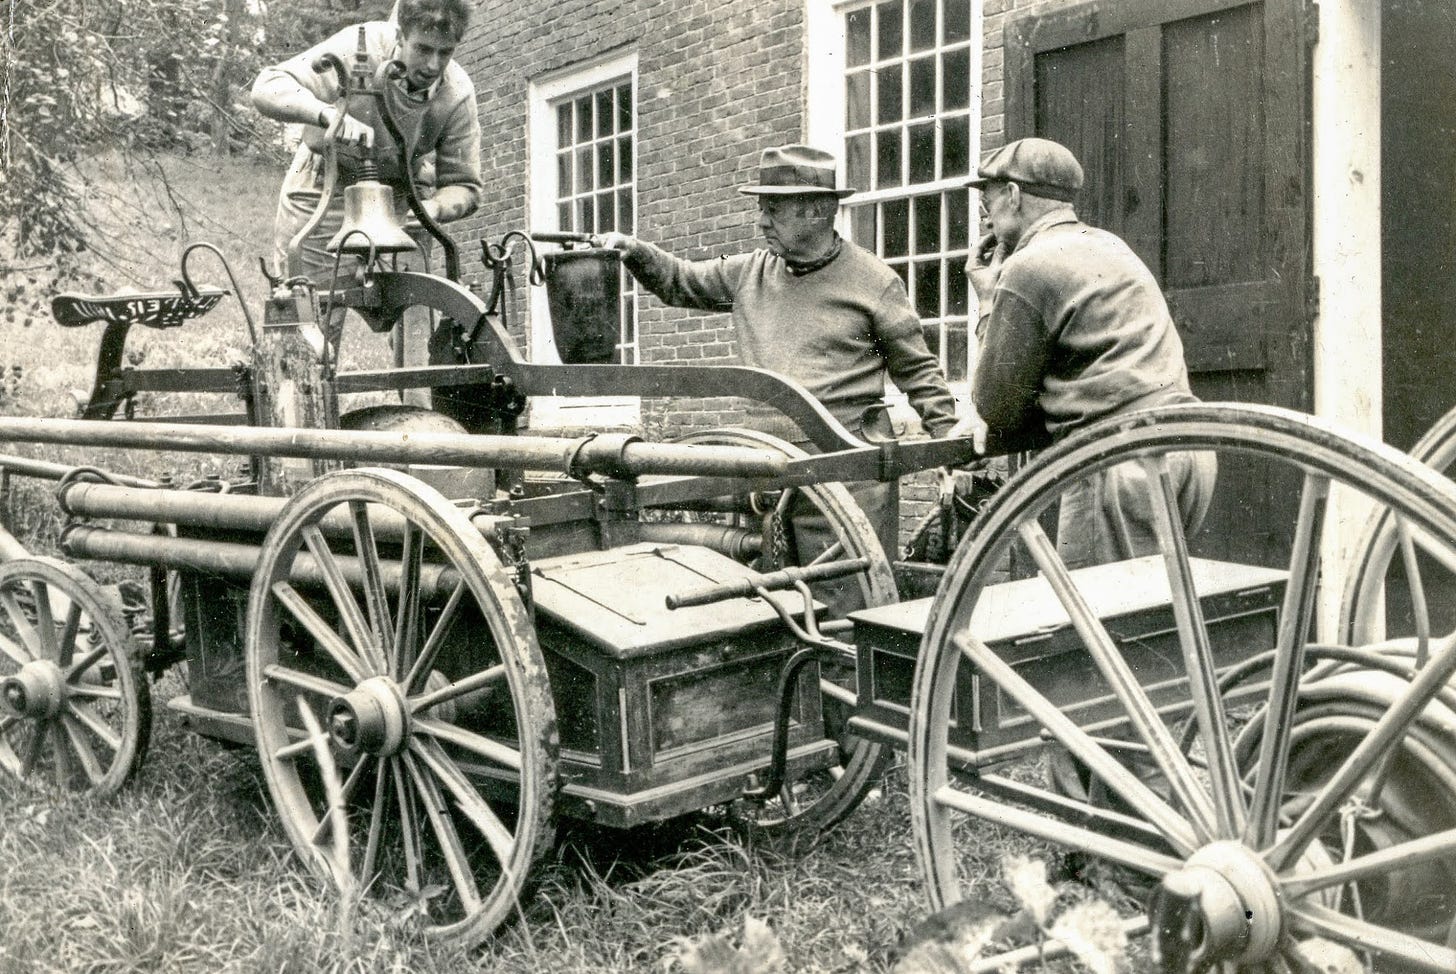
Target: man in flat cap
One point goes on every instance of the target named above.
(1073, 329)
(812, 306)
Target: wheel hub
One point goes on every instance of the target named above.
(37, 691)
(1221, 906)
(371, 718)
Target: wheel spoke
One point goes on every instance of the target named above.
(828, 554)
(1294, 620)
(322, 633)
(1412, 952)
(81, 748)
(94, 692)
(376, 601)
(451, 848)
(1141, 713)
(66, 651)
(303, 681)
(60, 755)
(1442, 554)
(477, 744)
(32, 752)
(301, 746)
(407, 616)
(89, 719)
(1438, 845)
(1174, 827)
(459, 688)
(420, 669)
(30, 641)
(338, 853)
(1129, 854)
(1415, 585)
(1197, 653)
(343, 596)
(468, 800)
(376, 822)
(83, 664)
(45, 622)
(408, 826)
(345, 794)
(1371, 750)
(15, 651)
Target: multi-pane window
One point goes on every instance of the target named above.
(908, 146)
(595, 177)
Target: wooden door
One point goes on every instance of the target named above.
(1190, 119)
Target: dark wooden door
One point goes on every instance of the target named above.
(1190, 118)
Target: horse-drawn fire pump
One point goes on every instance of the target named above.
(441, 634)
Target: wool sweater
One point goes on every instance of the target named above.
(1078, 330)
(838, 330)
(440, 124)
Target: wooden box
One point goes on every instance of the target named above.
(663, 712)
(1027, 625)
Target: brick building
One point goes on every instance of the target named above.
(645, 116)
(1285, 166)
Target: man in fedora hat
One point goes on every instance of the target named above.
(1073, 329)
(812, 306)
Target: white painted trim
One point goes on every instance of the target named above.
(1345, 195)
(823, 75)
(541, 215)
(824, 65)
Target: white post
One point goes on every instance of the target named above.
(1347, 255)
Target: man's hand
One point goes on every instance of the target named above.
(984, 267)
(972, 425)
(616, 241)
(341, 127)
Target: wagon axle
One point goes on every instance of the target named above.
(37, 691)
(372, 718)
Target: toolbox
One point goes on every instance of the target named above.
(1027, 625)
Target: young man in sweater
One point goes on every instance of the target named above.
(434, 104)
(811, 306)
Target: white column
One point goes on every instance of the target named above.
(1347, 259)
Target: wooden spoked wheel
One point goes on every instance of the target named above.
(380, 615)
(75, 711)
(1252, 849)
(799, 527)
(1391, 552)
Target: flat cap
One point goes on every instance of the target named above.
(1039, 166)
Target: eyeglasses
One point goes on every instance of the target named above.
(986, 199)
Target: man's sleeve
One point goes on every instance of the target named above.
(1012, 358)
(708, 285)
(291, 90)
(912, 366)
(457, 163)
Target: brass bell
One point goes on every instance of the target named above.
(370, 222)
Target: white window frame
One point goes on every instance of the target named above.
(542, 96)
(824, 69)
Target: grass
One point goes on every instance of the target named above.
(188, 870)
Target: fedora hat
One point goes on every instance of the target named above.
(795, 170)
(1040, 167)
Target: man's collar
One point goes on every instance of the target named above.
(423, 95)
(1052, 219)
(809, 267)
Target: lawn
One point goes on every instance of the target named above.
(188, 870)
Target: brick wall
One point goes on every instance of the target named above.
(993, 75)
(716, 83)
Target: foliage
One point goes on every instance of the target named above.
(81, 75)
